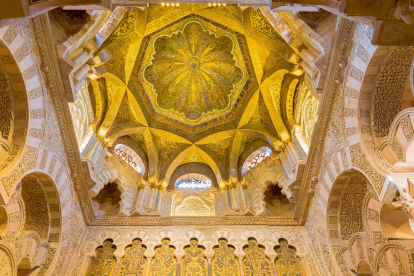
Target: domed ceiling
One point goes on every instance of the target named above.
(191, 84)
(193, 73)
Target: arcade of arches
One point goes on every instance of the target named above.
(242, 138)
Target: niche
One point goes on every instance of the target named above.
(277, 204)
(107, 201)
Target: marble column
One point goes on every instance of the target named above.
(139, 197)
(179, 258)
(272, 265)
(240, 258)
(209, 266)
(148, 266)
(234, 200)
(118, 263)
(150, 205)
(228, 199)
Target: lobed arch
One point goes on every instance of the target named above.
(345, 218)
(35, 221)
(109, 200)
(151, 237)
(51, 195)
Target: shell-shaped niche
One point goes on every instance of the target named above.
(193, 71)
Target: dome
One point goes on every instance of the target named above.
(193, 71)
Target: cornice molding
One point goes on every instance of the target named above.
(54, 84)
(206, 221)
(342, 40)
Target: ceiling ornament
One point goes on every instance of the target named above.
(193, 71)
(193, 75)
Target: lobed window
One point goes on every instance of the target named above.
(255, 158)
(193, 181)
(130, 157)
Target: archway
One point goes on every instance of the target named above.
(13, 109)
(32, 222)
(348, 209)
(36, 222)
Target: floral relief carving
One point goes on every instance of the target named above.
(103, 264)
(255, 262)
(389, 89)
(224, 262)
(164, 263)
(287, 262)
(194, 263)
(133, 264)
